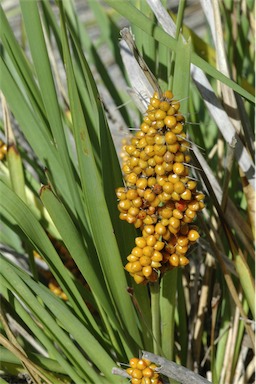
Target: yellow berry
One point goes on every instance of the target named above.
(131, 178)
(159, 139)
(122, 216)
(138, 223)
(161, 179)
(129, 370)
(186, 195)
(149, 229)
(131, 194)
(144, 127)
(164, 106)
(160, 114)
(191, 184)
(168, 187)
(182, 240)
(151, 240)
(173, 148)
(145, 261)
(183, 261)
(152, 162)
(168, 157)
(138, 279)
(181, 249)
(140, 242)
(168, 94)
(179, 187)
(171, 111)
(175, 223)
(177, 214)
(179, 157)
(194, 205)
(128, 267)
(141, 364)
(174, 260)
(170, 121)
(159, 124)
(158, 159)
(178, 128)
(176, 104)
(148, 372)
(154, 102)
(167, 166)
(155, 264)
(120, 193)
(149, 150)
(142, 143)
(130, 149)
(151, 116)
(199, 196)
(157, 256)
(159, 170)
(159, 149)
(159, 245)
(131, 258)
(156, 202)
(146, 380)
(187, 219)
(178, 168)
(148, 251)
(137, 202)
(149, 195)
(133, 211)
(136, 267)
(170, 138)
(175, 196)
(124, 205)
(166, 212)
(201, 205)
(142, 165)
(193, 235)
(152, 130)
(139, 134)
(160, 229)
(136, 251)
(147, 270)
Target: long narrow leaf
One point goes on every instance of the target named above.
(106, 246)
(148, 26)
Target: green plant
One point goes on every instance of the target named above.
(65, 204)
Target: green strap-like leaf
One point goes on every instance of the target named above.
(106, 245)
(13, 206)
(135, 16)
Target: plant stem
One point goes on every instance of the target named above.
(155, 311)
(167, 308)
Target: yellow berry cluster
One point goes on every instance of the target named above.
(142, 371)
(69, 264)
(3, 150)
(159, 197)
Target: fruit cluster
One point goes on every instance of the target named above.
(159, 197)
(69, 264)
(142, 371)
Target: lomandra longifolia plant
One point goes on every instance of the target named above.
(138, 271)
